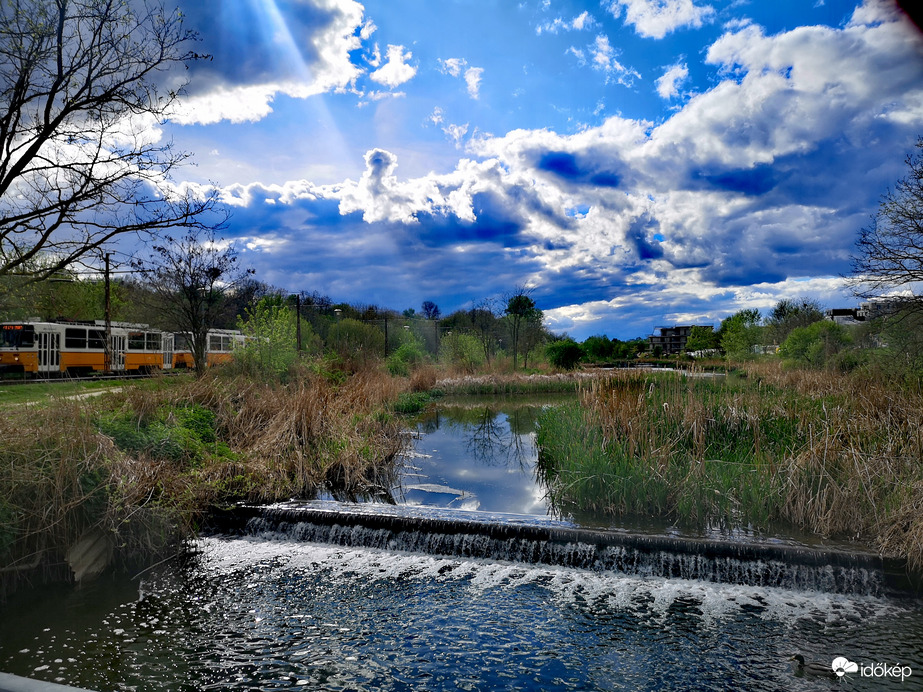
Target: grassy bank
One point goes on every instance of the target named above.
(833, 454)
(510, 385)
(143, 464)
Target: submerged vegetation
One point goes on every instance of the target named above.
(834, 454)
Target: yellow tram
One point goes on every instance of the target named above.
(79, 348)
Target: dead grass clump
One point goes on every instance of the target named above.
(424, 378)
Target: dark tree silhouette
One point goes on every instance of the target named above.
(189, 278)
(890, 248)
(80, 92)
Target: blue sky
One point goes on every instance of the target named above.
(635, 163)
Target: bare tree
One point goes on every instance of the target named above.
(890, 249)
(484, 321)
(189, 278)
(80, 93)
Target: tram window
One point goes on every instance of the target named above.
(17, 335)
(97, 338)
(214, 342)
(75, 337)
(135, 341)
(181, 342)
(153, 341)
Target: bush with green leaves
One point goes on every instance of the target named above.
(739, 333)
(815, 344)
(405, 358)
(271, 328)
(564, 354)
(355, 342)
(462, 351)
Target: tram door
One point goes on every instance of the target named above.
(167, 345)
(49, 352)
(117, 344)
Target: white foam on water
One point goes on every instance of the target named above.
(647, 596)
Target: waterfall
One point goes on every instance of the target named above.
(504, 538)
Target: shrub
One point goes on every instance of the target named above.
(462, 351)
(356, 343)
(815, 344)
(564, 354)
(405, 358)
(271, 347)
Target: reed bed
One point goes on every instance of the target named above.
(507, 385)
(143, 464)
(836, 455)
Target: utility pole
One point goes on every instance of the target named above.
(107, 366)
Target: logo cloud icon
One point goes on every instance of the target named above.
(842, 665)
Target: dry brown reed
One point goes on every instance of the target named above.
(837, 454)
(59, 475)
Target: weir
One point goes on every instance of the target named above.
(534, 540)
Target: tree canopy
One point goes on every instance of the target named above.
(82, 87)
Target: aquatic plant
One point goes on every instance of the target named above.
(831, 453)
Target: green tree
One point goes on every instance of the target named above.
(815, 344)
(739, 333)
(355, 342)
(270, 327)
(788, 315)
(598, 348)
(462, 351)
(564, 354)
(483, 317)
(520, 311)
(701, 339)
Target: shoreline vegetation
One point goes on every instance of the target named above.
(835, 454)
(143, 465)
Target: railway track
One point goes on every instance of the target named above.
(19, 381)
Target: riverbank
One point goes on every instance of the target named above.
(832, 454)
(135, 470)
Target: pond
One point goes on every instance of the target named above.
(278, 608)
(474, 453)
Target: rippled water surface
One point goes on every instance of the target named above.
(250, 613)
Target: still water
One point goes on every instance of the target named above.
(477, 454)
(265, 611)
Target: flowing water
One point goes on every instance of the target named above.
(435, 595)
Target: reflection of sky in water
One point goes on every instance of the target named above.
(476, 456)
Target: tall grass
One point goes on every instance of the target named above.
(143, 464)
(833, 454)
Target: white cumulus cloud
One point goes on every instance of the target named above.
(657, 18)
(668, 84)
(396, 70)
